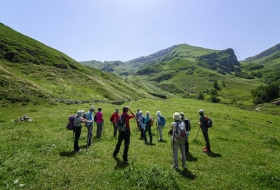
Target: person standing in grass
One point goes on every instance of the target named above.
(188, 129)
(148, 127)
(124, 135)
(159, 127)
(203, 125)
(178, 137)
(114, 119)
(137, 115)
(77, 128)
(99, 123)
(89, 125)
(141, 121)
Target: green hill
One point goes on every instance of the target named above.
(265, 64)
(33, 72)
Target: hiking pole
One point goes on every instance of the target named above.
(196, 134)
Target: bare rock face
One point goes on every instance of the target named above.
(23, 118)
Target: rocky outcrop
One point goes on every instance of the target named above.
(224, 60)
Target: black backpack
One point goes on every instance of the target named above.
(188, 124)
(122, 124)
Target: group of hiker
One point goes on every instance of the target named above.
(179, 131)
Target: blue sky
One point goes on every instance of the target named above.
(107, 30)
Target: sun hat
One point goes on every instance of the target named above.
(158, 113)
(200, 111)
(176, 116)
(80, 113)
(91, 108)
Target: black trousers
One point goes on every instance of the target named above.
(77, 131)
(206, 137)
(126, 137)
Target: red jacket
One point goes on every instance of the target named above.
(114, 118)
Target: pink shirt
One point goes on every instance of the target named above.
(99, 116)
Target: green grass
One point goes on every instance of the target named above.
(38, 154)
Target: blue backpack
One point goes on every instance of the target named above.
(162, 121)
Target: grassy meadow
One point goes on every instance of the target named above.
(38, 154)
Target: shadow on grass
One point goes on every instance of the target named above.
(191, 158)
(187, 174)
(214, 155)
(120, 164)
(162, 141)
(67, 154)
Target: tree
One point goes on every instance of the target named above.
(200, 96)
(216, 85)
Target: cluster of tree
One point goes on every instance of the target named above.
(213, 92)
(267, 93)
(244, 75)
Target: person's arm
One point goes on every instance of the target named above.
(132, 114)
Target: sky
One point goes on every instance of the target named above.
(109, 30)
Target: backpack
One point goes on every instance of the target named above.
(70, 125)
(85, 115)
(188, 124)
(180, 131)
(162, 121)
(208, 121)
(151, 121)
(112, 118)
(121, 124)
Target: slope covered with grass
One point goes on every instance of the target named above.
(38, 154)
(34, 72)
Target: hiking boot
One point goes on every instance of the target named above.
(205, 150)
(159, 140)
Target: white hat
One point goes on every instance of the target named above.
(200, 111)
(80, 113)
(91, 108)
(176, 116)
(158, 113)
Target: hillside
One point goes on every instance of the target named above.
(265, 64)
(33, 72)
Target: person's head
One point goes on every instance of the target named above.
(176, 116)
(125, 109)
(147, 113)
(200, 112)
(138, 109)
(117, 110)
(140, 113)
(91, 108)
(80, 113)
(158, 113)
(99, 109)
(182, 115)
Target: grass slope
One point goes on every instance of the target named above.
(33, 72)
(38, 154)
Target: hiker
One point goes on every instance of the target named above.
(137, 119)
(77, 128)
(148, 127)
(141, 121)
(114, 119)
(188, 129)
(203, 125)
(99, 122)
(159, 125)
(178, 140)
(89, 125)
(124, 135)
